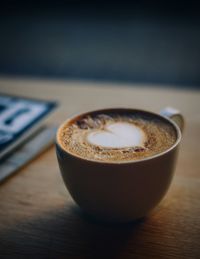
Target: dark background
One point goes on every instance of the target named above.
(142, 41)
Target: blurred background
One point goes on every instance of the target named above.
(138, 42)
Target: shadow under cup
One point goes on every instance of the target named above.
(118, 191)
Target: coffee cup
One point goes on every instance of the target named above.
(120, 190)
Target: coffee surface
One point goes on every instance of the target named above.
(115, 136)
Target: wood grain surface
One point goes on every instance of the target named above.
(38, 218)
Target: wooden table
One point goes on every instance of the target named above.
(37, 216)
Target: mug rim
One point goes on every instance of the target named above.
(170, 121)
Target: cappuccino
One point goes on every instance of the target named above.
(116, 135)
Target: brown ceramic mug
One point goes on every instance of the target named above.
(121, 191)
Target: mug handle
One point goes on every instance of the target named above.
(174, 115)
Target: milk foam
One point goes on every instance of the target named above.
(117, 135)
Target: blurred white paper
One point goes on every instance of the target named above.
(19, 118)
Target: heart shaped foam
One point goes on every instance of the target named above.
(117, 135)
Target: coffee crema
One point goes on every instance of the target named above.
(115, 136)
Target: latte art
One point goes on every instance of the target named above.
(116, 136)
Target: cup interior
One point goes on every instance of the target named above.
(120, 110)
